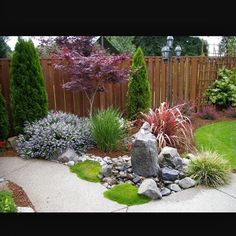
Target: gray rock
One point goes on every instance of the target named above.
(115, 172)
(176, 181)
(168, 182)
(110, 180)
(144, 153)
(150, 189)
(165, 192)
(123, 174)
(120, 168)
(169, 157)
(181, 175)
(129, 170)
(185, 161)
(105, 184)
(174, 187)
(11, 142)
(71, 163)
(169, 174)
(24, 209)
(187, 182)
(106, 170)
(136, 179)
(2, 180)
(129, 182)
(68, 155)
(189, 156)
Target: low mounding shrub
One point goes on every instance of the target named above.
(209, 168)
(222, 93)
(49, 137)
(208, 112)
(106, 127)
(170, 127)
(231, 112)
(7, 204)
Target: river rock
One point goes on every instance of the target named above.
(174, 187)
(187, 182)
(169, 174)
(165, 192)
(150, 189)
(106, 170)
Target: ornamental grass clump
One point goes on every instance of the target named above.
(107, 129)
(170, 127)
(209, 168)
(49, 137)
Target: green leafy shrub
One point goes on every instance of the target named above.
(107, 129)
(7, 204)
(223, 91)
(126, 194)
(87, 170)
(209, 168)
(27, 88)
(4, 123)
(139, 94)
(49, 137)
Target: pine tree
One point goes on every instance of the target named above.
(139, 94)
(4, 124)
(28, 94)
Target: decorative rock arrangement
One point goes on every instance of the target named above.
(157, 173)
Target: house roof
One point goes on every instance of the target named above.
(107, 45)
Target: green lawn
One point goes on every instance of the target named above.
(87, 170)
(219, 137)
(126, 194)
(7, 204)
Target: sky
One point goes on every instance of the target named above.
(212, 40)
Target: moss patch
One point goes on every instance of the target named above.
(126, 194)
(87, 170)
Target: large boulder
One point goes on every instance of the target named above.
(149, 188)
(169, 157)
(68, 155)
(144, 153)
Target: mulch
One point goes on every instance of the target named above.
(20, 197)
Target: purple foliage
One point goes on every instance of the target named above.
(208, 112)
(230, 112)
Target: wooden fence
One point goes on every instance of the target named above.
(190, 78)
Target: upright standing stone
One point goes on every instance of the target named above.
(144, 153)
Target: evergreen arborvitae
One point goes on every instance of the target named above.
(28, 94)
(4, 124)
(139, 94)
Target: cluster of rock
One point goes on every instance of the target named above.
(156, 172)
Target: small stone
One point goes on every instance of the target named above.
(185, 161)
(187, 182)
(150, 189)
(165, 192)
(110, 180)
(70, 163)
(189, 156)
(115, 172)
(136, 179)
(174, 187)
(123, 174)
(129, 170)
(24, 209)
(129, 182)
(106, 170)
(114, 159)
(169, 174)
(105, 184)
(176, 181)
(168, 182)
(129, 176)
(120, 168)
(2, 180)
(181, 175)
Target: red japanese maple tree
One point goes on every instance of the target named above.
(89, 67)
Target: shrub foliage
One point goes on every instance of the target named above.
(107, 129)
(27, 89)
(209, 168)
(4, 123)
(7, 204)
(208, 112)
(139, 94)
(49, 137)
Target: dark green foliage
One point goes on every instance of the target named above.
(7, 204)
(27, 89)
(106, 129)
(151, 45)
(139, 93)
(5, 50)
(222, 93)
(4, 124)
